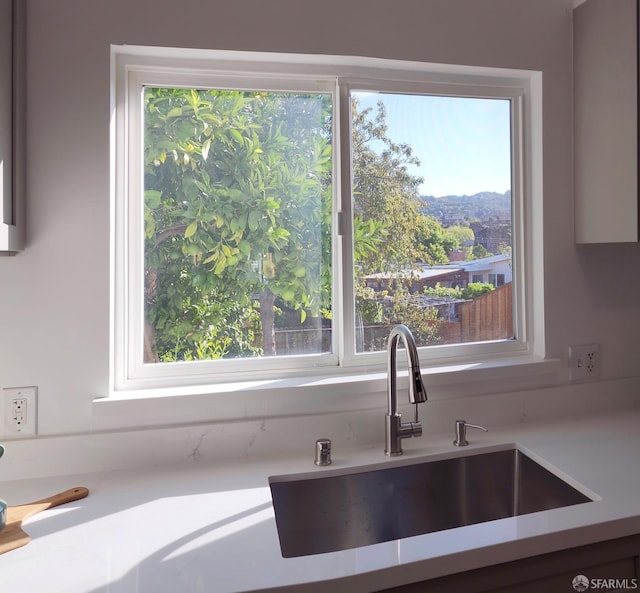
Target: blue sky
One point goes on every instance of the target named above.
(463, 143)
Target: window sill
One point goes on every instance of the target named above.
(320, 394)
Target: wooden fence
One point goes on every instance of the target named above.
(489, 317)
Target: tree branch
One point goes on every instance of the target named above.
(176, 229)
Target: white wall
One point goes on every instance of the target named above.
(54, 298)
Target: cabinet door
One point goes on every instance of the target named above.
(612, 563)
(6, 107)
(11, 124)
(605, 37)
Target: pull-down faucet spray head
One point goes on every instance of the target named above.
(417, 391)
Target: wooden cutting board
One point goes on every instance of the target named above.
(12, 536)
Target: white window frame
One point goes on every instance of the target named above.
(135, 66)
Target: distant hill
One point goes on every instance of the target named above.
(480, 206)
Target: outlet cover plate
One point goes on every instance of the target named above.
(19, 411)
(584, 362)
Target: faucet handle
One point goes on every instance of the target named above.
(461, 432)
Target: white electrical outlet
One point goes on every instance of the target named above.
(584, 362)
(19, 411)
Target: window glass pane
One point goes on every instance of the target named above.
(432, 217)
(237, 211)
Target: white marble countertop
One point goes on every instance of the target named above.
(210, 527)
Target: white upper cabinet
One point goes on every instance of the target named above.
(11, 125)
(606, 121)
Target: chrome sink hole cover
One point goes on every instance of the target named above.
(340, 511)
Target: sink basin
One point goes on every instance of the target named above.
(331, 510)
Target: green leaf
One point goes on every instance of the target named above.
(205, 148)
(192, 249)
(254, 219)
(150, 226)
(237, 135)
(152, 198)
(244, 247)
(191, 229)
(220, 266)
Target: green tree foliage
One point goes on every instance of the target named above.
(479, 252)
(384, 191)
(463, 235)
(475, 289)
(437, 241)
(472, 291)
(238, 218)
(424, 322)
(237, 204)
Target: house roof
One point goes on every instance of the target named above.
(418, 275)
(427, 272)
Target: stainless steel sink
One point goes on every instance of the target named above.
(341, 509)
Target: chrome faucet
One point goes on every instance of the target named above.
(395, 430)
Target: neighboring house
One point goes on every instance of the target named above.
(495, 269)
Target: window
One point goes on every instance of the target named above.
(496, 279)
(281, 217)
